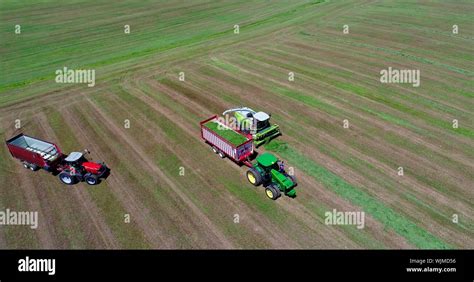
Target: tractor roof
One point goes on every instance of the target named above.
(261, 116)
(74, 156)
(267, 159)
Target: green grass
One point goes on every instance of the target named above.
(377, 96)
(226, 133)
(403, 226)
(15, 236)
(336, 78)
(127, 235)
(96, 39)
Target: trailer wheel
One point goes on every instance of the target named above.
(272, 192)
(67, 178)
(91, 179)
(214, 149)
(29, 166)
(221, 154)
(254, 177)
(33, 167)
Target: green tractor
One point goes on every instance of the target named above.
(270, 172)
(255, 123)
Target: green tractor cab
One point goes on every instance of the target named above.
(255, 123)
(270, 172)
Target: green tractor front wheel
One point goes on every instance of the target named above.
(272, 192)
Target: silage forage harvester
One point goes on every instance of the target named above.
(255, 123)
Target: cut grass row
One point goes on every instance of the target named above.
(128, 235)
(51, 208)
(347, 159)
(242, 191)
(59, 206)
(11, 197)
(151, 192)
(417, 236)
(363, 238)
(333, 111)
(428, 98)
(142, 122)
(170, 32)
(370, 94)
(177, 135)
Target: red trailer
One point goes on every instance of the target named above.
(35, 154)
(226, 141)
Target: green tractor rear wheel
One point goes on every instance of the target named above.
(254, 177)
(272, 192)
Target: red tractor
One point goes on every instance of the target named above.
(35, 154)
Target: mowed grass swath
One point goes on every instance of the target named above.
(345, 134)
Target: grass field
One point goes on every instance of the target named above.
(176, 192)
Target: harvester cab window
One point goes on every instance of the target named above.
(263, 120)
(262, 124)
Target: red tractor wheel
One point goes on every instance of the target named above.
(67, 178)
(91, 179)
